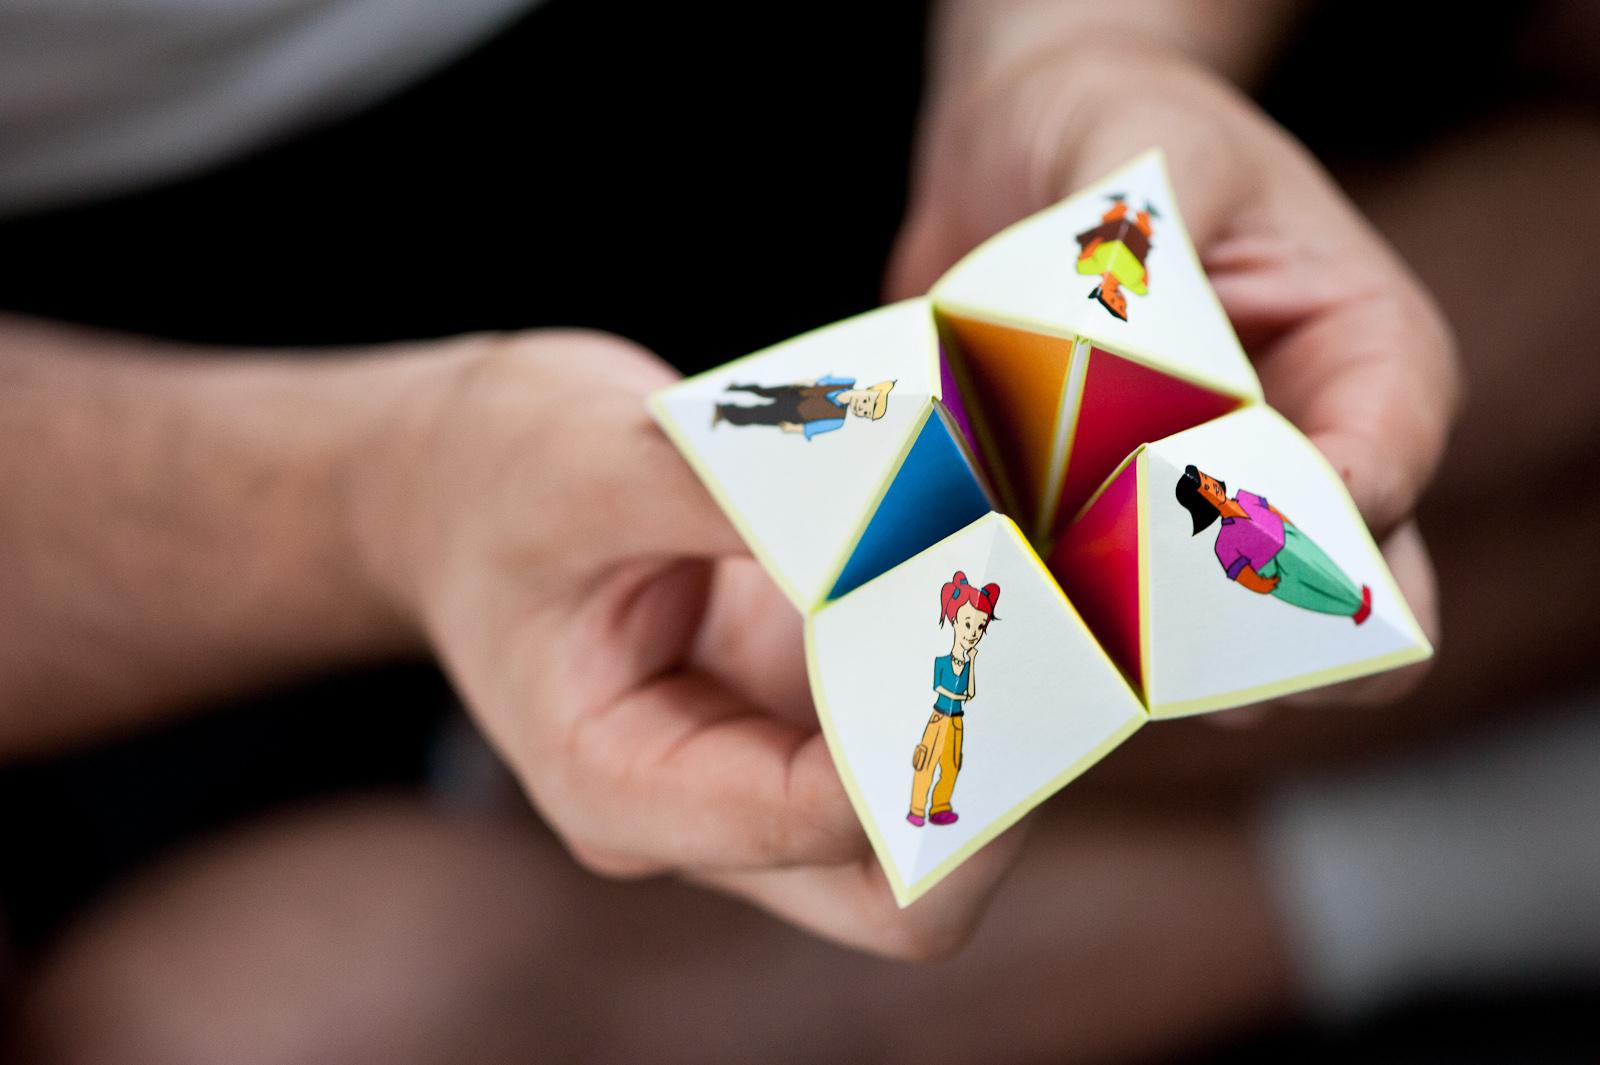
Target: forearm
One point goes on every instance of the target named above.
(975, 39)
(176, 525)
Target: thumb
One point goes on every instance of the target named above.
(635, 494)
(922, 252)
(661, 507)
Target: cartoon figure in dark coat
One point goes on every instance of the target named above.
(812, 408)
(1116, 250)
(1261, 549)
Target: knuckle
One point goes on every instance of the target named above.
(769, 840)
(612, 865)
(588, 768)
(522, 344)
(596, 371)
(924, 932)
(902, 939)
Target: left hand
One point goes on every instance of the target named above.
(644, 682)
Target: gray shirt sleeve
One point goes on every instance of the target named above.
(103, 96)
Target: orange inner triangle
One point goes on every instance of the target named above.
(1016, 379)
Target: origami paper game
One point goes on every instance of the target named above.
(1048, 498)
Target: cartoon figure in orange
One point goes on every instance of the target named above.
(1116, 250)
(969, 611)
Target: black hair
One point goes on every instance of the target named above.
(1201, 509)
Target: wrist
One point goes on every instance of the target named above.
(977, 39)
(396, 506)
(306, 429)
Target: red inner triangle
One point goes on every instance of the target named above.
(1126, 404)
(1097, 565)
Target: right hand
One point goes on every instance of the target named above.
(644, 681)
(1345, 340)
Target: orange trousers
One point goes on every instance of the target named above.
(940, 749)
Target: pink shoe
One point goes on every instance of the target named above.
(945, 817)
(916, 819)
(1365, 610)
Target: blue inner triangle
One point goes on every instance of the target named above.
(935, 493)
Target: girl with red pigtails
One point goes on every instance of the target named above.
(969, 611)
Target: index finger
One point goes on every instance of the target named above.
(1346, 341)
(682, 773)
(1350, 348)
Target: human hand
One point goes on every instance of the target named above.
(1345, 340)
(645, 683)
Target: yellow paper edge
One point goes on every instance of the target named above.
(905, 894)
(1302, 682)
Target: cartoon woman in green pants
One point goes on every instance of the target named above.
(969, 611)
(1267, 553)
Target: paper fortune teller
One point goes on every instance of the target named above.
(1031, 511)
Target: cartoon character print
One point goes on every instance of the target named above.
(937, 759)
(1117, 251)
(810, 408)
(1260, 548)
